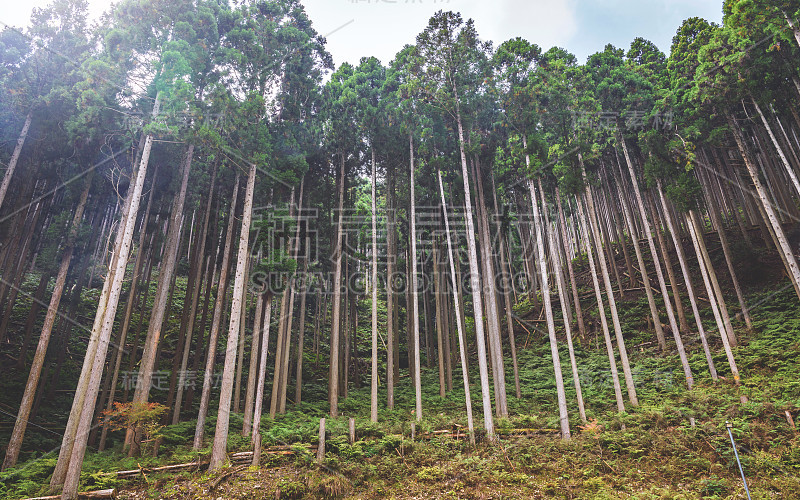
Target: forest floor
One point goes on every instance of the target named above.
(674, 445)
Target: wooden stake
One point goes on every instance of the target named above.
(351, 425)
(321, 445)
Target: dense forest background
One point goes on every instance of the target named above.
(210, 238)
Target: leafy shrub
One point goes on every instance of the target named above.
(713, 487)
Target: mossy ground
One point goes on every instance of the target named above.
(648, 452)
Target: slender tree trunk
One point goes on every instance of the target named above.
(446, 322)
(280, 346)
(262, 366)
(649, 236)
(459, 319)
(193, 306)
(573, 284)
(252, 372)
(675, 332)
(20, 269)
(493, 315)
(74, 444)
(723, 239)
(320, 329)
(414, 284)
(301, 331)
(68, 440)
(474, 273)
(612, 304)
(201, 346)
(687, 280)
(374, 376)
(391, 312)
(131, 303)
(159, 312)
(673, 283)
(12, 164)
(284, 372)
(712, 274)
(713, 300)
(333, 378)
(15, 442)
(218, 451)
(142, 305)
(428, 316)
(184, 342)
(222, 287)
(33, 313)
(439, 340)
(237, 385)
(602, 312)
(563, 300)
(548, 310)
(783, 243)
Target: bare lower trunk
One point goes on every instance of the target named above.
(439, 319)
(219, 449)
(193, 306)
(213, 335)
(102, 331)
(15, 442)
(642, 267)
(602, 312)
(783, 244)
(548, 310)
(301, 330)
(333, 376)
(687, 280)
(505, 274)
(131, 303)
(612, 304)
(493, 315)
(459, 320)
(573, 285)
(474, 273)
(563, 300)
(414, 286)
(391, 312)
(252, 372)
(723, 239)
(262, 366)
(374, 375)
(713, 300)
(159, 312)
(673, 282)
(237, 385)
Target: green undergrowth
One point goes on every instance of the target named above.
(673, 445)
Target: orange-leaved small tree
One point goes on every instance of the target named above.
(144, 418)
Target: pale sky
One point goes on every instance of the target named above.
(380, 28)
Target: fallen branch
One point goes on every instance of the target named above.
(225, 476)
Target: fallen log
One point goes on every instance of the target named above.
(244, 456)
(112, 493)
(166, 468)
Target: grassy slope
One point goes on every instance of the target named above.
(649, 452)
